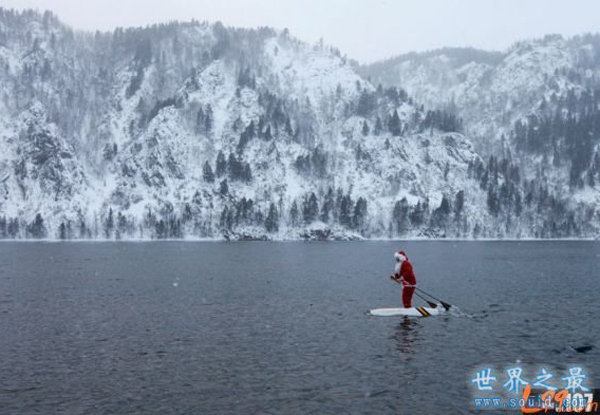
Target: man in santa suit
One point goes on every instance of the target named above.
(404, 274)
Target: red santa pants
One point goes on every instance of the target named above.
(407, 294)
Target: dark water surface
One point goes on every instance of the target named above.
(280, 328)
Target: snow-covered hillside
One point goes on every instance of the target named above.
(195, 130)
(490, 90)
(527, 103)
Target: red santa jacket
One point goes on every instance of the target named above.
(407, 274)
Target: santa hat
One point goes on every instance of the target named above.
(400, 256)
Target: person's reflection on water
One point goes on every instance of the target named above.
(407, 335)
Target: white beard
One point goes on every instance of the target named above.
(397, 267)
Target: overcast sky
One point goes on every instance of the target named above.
(366, 30)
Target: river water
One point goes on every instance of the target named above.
(281, 328)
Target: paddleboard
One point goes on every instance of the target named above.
(411, 312)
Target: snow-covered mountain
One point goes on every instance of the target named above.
(195, 130)
(491, 90)
(537, 104)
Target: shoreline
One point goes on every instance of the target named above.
(217, 240)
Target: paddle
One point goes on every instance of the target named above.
(446, 305)
(432, 305)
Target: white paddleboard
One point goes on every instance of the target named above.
(411, 312)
